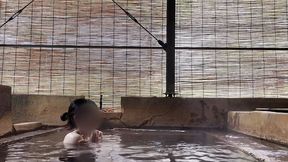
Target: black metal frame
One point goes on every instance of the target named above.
(170, 49)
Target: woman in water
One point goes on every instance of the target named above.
(84, 118)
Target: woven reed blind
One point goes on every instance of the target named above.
(67, 47)
(232, 24)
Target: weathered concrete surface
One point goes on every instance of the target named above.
(5, 123)
(270, 126)
(40, 108)
(112, 120)
(27, 126)
(5, 110)
(187, 112)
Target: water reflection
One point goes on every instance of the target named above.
(78, 156)
(174, 146)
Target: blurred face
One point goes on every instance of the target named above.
(88, 118)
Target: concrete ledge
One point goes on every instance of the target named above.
(5, 123)
(187, 112)
(112, 120)
(112, 115)
(5, 110)
(173, 112)
(262, 150)
(40, 108)
(270, 126)
(12, 139)
(28, 126)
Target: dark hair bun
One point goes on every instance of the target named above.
(64, 116)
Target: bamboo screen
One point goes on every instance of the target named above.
(90, 47)
(256, 34)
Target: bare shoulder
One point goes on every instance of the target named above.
(72, 138)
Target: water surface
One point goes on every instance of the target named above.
(127, 145)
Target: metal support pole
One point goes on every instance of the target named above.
(170, 52)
